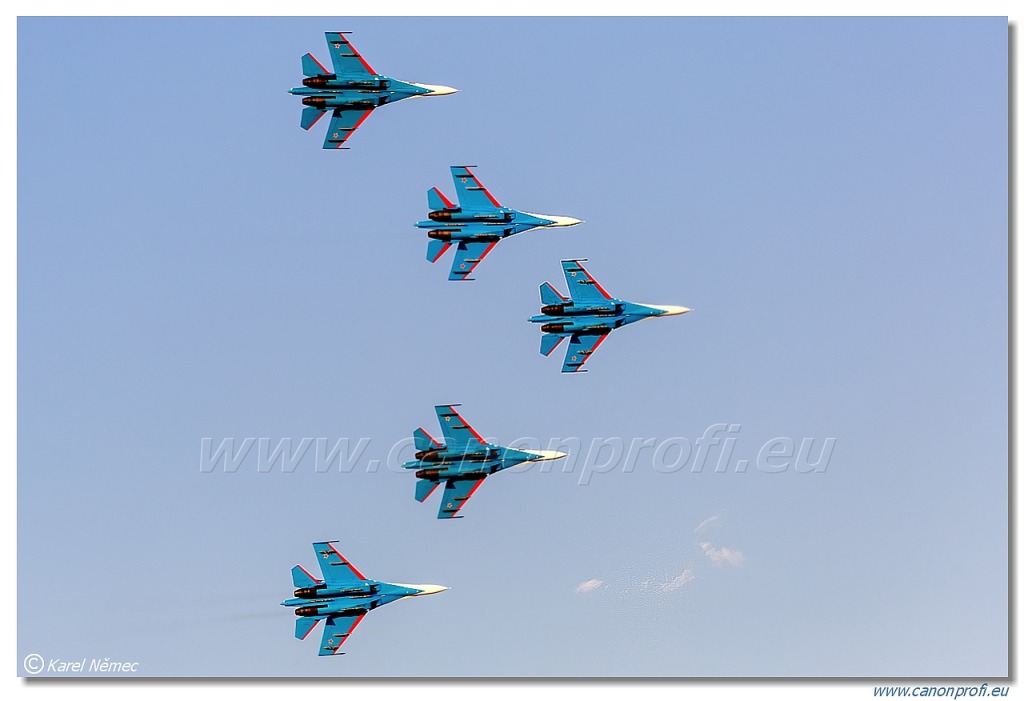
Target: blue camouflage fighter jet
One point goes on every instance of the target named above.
(341, 598)
(475, 224)
(462, 462)
(352, 90)
(586, 316)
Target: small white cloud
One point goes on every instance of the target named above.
(589, 586)
(706, 523)
(679, 582)
(720, 555)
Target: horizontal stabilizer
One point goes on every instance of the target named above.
(423, 440)
(301, 578)
(436, 249)
(549, 295)
(549, 342)
(424, 488)
(311, 67)
(310, 116)
(304, 624)
(436, 200)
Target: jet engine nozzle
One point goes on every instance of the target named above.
(440, 235)
(307, 611)
(318, 81)
(427, 474)
(313, 101)
(307, 592)
(553, 309)
(442, 214)
(427, 455)
(552, 328)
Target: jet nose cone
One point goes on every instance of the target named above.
(561, 221)
(554, 220)
(429, 589)
(669, 310)
(438, 89)
(547, 455)
(566, 221)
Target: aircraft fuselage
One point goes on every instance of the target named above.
(354, 599)
(328, 92)
(441, 464)
(570, 318)
(459, 225)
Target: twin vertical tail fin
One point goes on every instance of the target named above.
(424, 488)
(549, 295)
(304, 624)
(548, 343)
(310, 116)
(311, 68)
(423, 440)
(436, 249)
(436, 200)
(301, 578)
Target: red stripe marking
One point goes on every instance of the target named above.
(432, 439)
(596, 283)
(485, 190)
(444, 249)
(308, 574)
(447, 203)
(432, 490)
(469, 494)
(318, 118)
(464, 422)
(358, 55)
(326, 72)
(354, 127)
(592, 350)
(310, 629)
(480, 259)
(349, 633)
(560, 339)
(349, 564)
(555, 290)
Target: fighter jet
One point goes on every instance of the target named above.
(586, 316)
(352, 90)
(475, 224)
(341, 598)
(463, 462)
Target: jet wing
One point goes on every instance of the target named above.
(343, 125)
(472, 194)
(348, 63)
(456, 494)
(580, 350)
(336, 569)
(337, 629)
(467, 256)
(457, 433)
(582, 285)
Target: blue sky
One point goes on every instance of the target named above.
(829, 195)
